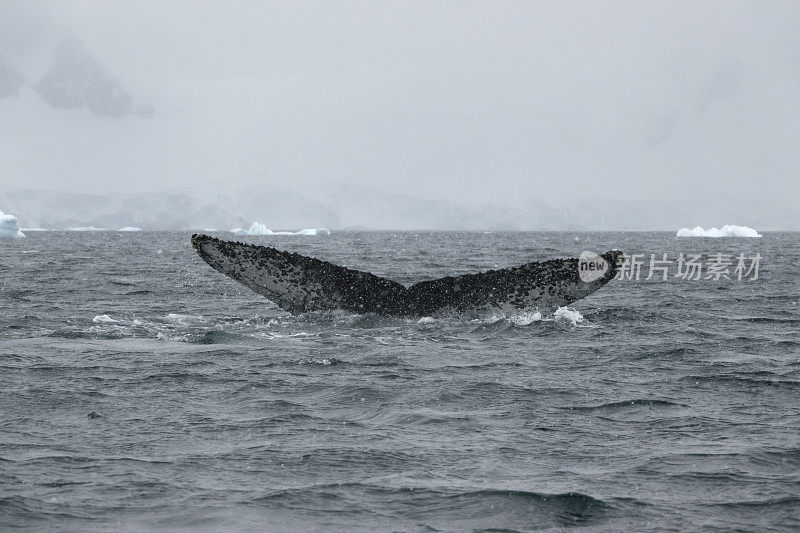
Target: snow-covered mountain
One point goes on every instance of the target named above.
(357, 207)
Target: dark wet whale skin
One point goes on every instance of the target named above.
(298, 283)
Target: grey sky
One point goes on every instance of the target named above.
(471, 101)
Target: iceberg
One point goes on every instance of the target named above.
(257, 228)
(725, 231)
(314, 231)
(130, 228)
(9, 227)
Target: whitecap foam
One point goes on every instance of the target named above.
(183, 320)
(568, 315)
(103, 319)
(317, 361)
(725, 231)
(130, 228)
(271, 336)
(565, 316)
(489, 319)
(526, 318)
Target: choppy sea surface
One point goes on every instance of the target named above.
(140, 389)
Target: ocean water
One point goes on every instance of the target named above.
(140, 389)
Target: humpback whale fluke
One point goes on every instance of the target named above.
(298, 283)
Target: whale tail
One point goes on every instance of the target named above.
(298, 283)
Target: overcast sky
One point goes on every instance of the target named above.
(470, 101)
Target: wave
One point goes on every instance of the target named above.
(624, 404)
(213, 337)
(766, 319)
(213, 328)
(566, 316)
(452, 508)
(91, 333)
(678, 351)
(30, 510)
(744, 381)
(18, 294)
(324, 361)
(183, 320)
(792, 501)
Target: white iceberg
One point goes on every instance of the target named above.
(725, 231)
(130, 228)
(86, 228)
(257, 228)
(9, 227)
